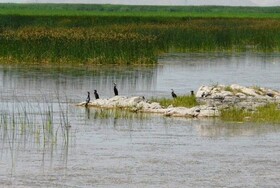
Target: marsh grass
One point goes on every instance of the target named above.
(34, 121)
(127, 39)
(181, 101)
(269, 113)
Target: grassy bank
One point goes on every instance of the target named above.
(181, 101)
(268, 114)
(99, 34)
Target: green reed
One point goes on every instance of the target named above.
(34, 121)
(127, 39)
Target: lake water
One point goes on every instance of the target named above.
(45, 140)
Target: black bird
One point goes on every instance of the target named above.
(116, 90)
(192, 93)
(88, 99)
(173, 94)
(96, 94)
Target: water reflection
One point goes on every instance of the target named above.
(182, 72)
(74, 83)
(217, 129)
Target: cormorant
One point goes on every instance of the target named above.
(88, 99)
(173, 94)
(96, 94)
(192, 93)
(115, 89)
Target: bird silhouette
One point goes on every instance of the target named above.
(173, 94)
(88, 99)
(96, 94)
(116, 92)
(192, 93)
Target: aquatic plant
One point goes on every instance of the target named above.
(34, 121)
(269, 113)
(128, 38)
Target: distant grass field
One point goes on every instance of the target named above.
(99, 34)
(143, 11)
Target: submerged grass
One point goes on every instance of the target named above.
(127, 37)
(269, 113)
(181, 101)
(34, 121)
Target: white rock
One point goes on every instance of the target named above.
(236, 87)
(209, 113)
(203, 90)
(178, 111)
(241, 95)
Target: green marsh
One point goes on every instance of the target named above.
(111, 35)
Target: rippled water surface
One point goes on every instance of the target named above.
(45, 140)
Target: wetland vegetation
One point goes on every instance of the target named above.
(269, 113)
(180, 101)
(107, 34)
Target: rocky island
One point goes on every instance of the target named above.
(211, 100)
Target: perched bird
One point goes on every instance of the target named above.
(192, 93)
(88, 99)
(96, 94)
(116, 90)
(173, 94)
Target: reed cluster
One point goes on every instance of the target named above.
(128, 40)
(36, 122)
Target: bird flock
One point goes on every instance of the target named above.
(116, 92)
(96, 95)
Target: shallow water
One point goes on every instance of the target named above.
(97, 148)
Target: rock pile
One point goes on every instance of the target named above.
(212, 100)
(248, 98)
(139, 104)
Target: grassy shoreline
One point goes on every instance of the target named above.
(269, 113)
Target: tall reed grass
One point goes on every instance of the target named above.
(127, 40)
